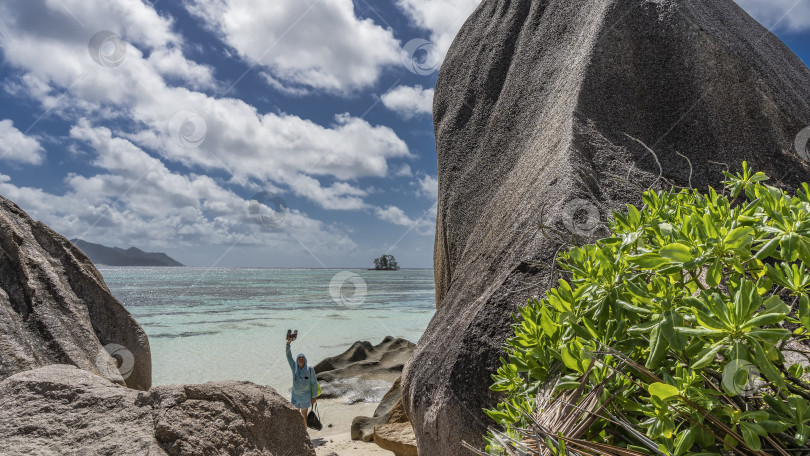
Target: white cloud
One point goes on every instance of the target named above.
(137, 198)
(314, 43)
(404, 171)
(393, 214)
(44, 36)
(428, 187)
(442, 18)
(409, 101)
(273, 147)
(17, 147)
(791, 15)
(425, 224)
(170, 62)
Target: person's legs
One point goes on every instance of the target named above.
(304, 413)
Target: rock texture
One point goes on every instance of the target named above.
(534, 111)
(383, 361)
(56, 309)
(396, 437)
(62, 410)
(396, 434)
(363, 426)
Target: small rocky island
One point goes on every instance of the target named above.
(385, 263)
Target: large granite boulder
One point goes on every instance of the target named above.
(62, 410)
(537, 111)
(56, 309)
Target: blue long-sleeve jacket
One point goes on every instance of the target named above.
(305, 384)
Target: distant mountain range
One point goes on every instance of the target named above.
(114, 256)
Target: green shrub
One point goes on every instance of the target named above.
(675, 326)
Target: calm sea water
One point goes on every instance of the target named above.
(229, 323)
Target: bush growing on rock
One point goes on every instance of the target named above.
(671, 336)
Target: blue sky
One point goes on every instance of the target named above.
(283, 133)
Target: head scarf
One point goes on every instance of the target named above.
(301, 372)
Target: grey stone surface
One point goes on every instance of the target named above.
(383, 361)
(62, 410)
(55, 308)
(534, 111)
(363, 426)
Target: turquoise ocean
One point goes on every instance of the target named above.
(208, 324)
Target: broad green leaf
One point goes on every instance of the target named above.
(547, 322)
(715, 273)
(802, 434)
(768, 249)
(738, 237)
(789, 246)
(662, 391)
(658, 348)
(804, 249)
(774, 304)
(670, 321)
(677, 252)
(648, 260)
(750, 436)
(706, 356)
(764, 319)
(627, 306)
(684, 442)
(773, 426)
(766, 366)
(804, 311)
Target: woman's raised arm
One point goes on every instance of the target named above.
(290, 358)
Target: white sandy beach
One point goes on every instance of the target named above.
(337, 438)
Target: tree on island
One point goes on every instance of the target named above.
(386, 263)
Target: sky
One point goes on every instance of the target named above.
(251, 133)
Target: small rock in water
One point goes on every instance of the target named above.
(330, 425)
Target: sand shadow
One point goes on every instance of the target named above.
(318, 441)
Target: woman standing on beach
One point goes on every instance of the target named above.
(305, 390)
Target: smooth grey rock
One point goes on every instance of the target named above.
(532, 109)
(62, 410)
(363, 426)
(56, 309)
(383, 361)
